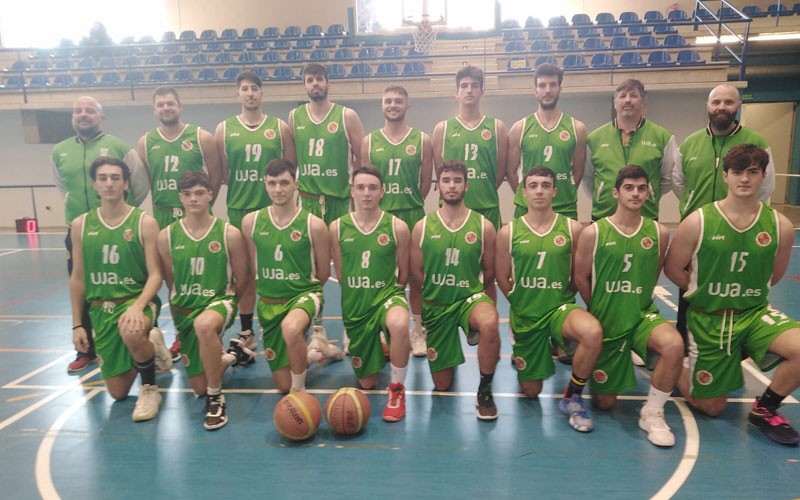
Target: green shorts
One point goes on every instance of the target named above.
(115, 359)
(167, 215)
(715, 351)
(271, 315)
(365, 340)
(235, 215)
(531, 348)
(442, 322)
(410, 216)
(326, 208)
(225, 306)
(613, 372)
(492, 215)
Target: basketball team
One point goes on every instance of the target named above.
(317, 189)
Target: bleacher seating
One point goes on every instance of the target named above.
(360, 70)
(574, 62)
(592, 44)
(271, 57)
(336, 70)
(567, 44)
(271, 32)
(612, 31)
(581, 20)
(313, 30)
(328, 43)
(63, 81)
(110, 78)
(246, 57)
(222, 58)
(660, 58)
(343, 53)
(368, 53)
(283, 73)
(638, 30)
(39, 81)
(295, 56)
(87, 79)
(605, 18)
(674, 41)
(631, 60)
(158, 76)
(518, 64)
(15, 82)
(187, 36)
(335, 30)
(541, 46)
(545, 59)
(779, 9)
(515, 46)
(249, 33)
(629, 17)
(207, 75)
(652, 16)
(229, 34)
(620, 43)
(134, 77)
(753, 11)
(414, 68)
(647, 42)
(663, 28)
(319, 55)
(689, 57)
(387, 69)
(292, 31)
(677, 15)
(392, 51)
(208, 34)
(182, 75)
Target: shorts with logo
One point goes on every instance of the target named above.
(410, 216)
(614, 372)
(225, 306)
(442, 322)
(167, 215)
(270, 316)
(715, 358)
(326, 208)
(115, 359)
(532, 352)
(365, 341)
(236, 215)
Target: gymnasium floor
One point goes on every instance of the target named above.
(62, 436)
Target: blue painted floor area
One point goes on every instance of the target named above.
(62, 435)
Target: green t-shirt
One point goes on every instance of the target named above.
(169, 159)
(248, 151)
(323, 152)
(732, 268)
(400, 164)
(477, 149)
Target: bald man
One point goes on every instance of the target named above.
(70, 163)
(697, 179)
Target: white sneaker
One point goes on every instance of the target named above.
(147, 403)
(658, 432)
(419, 347)
(346, 342)
(163, 354)
(248, 340)
(320, 349)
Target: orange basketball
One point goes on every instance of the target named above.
(297, 416)
(347, 411)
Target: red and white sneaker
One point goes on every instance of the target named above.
(395, 409)
(175, 350)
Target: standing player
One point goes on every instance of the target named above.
(452, 255)
(116, 273)
(550, 138)
(616, 269)
(478, 141)
(629, 139)
(364, 243)
(726, 256)
(290, 256)
(205, 265)
(248, 141)
(404, 157)
(534, 267)
(70, 163)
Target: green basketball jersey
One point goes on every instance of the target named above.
(169, 159)
(285, 263)
(552, 149)
(369, 266)
(542, 264)
(451, 259)
(248, 151)
(624, 274)
(400, 165)
(732, 268)
(201, 267)
(323, 152)
(114, 266)
(477, 149)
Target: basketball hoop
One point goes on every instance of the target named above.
(424, 35)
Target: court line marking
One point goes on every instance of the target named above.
(691, 451)
(44, 477)
(751, 368)
(38, 371)
(47, 249)
(10, 252)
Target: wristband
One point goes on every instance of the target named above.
(76, 327)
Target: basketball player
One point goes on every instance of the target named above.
(534, 266)
(478, 141)
(616, 268)
(248, 141)
(364, 243)
(205, 266)
(70, 163)
(290, 254)
(549, 138)
(726, 255)
(404, 156)
(452, 255)
(116, 271)
(629, 139)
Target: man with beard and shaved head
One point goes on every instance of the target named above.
(697, 179)
(172, 148)
(404, 157)
(70, 164)
(548, 138)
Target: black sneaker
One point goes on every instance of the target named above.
(486, 410)
(215, 412)
(773, 425)
(239, 354)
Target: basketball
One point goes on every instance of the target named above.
(297, 416)
(347, 411)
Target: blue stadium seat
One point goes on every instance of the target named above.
(223, 58)
(588, 31)
(313, 30)
(387, 69)
(187, 36)
(14, 82)
(304, 43)
(775, 10)
(159, 76)
(513, 35)
(110, 78)
(41, 65)
(62, 81)
(271, 56)
(796, 8)
(545, 59)
(581, 20)
(327, 43)
(271, 32)
(63, 64)
(556, 21)
(537, 32)
(258, 45)
(392, 51)
(653, 15)
(249, 34)
(515, 46)
(612, 31)
(247, 57)
(86, 63)
(207, 75)
(295, 56)
(319, 55)
(19, 66)
(192, 47)
(675, 41)
(677, 16)
(281, 44)
(177, 60)
(336, 70)
(39, 81)
(212, 47)
(261, 71)
(87, 79)
(283, 73)
(209, 34)
(168, 48)
(727, 13)
(182, 75)
(518, 64)
(647, 42)
(660, 58)
(541, 46)
(414, 68)
(566, 44)
(594, 44)
(134, 77)
(230, 34)
(663, 28)
(631, 60)
(753, 11)
(335, 30)
(199, 59)
(360, 70)
(575, 61)
(130, 61)
(689, 58)
(638, 30)
(563, 33)
(703, 14)
(168, 37)
(343, 53)
(292, 31)
(146, 39)
(629, 17)
(605, 18)
(621, 42)
(154, 60)
(349, 42)
(533, 22)
(367, 53)
(509, 24)
(238, 45)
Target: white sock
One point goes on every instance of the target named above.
(656, 399)
(213, 391)
(417, 319)
(399, 374)
(299, 380)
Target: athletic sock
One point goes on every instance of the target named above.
(417, 319)
(399, 374)
(770, 400)
(213, 391)
(486, 382)
(247, 321)
(299, 380)
(656, 399)
(576, 385)
(147, 370)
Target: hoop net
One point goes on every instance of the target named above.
(424, 36)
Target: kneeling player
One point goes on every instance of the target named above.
(726, 256)
(364, 245)
(534, 265)
(116, 271)
(205, 265)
